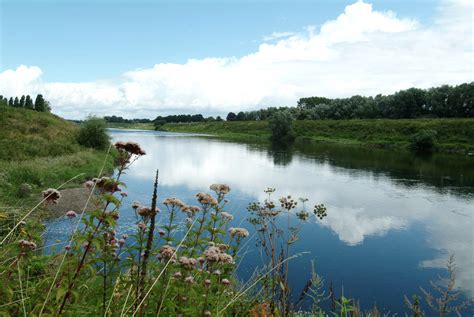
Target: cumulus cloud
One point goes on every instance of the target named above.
(362, 51)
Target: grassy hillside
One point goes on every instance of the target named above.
(37, 151)
(452, 134)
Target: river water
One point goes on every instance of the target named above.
(393, 218)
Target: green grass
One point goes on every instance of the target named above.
(40, 149)
(452, 134)
(138, 126)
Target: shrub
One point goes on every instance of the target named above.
(281, 126)
(423, 141)
(93, 135)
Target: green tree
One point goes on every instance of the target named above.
(231, 116)
(11, 103)
(40, 104)
(22, 101)
(92, 134)
(16, 103)
(29, 102)
(281, 126)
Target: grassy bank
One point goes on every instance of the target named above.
(37, 151)
(452, 134)
(138, 126)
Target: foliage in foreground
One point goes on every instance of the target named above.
(183, 265)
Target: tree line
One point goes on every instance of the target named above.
(439, 102)
(26, 102)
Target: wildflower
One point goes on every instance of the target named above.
(226, 216)
(223, 246)
(161, 232)
(320, 211)
(71, 214)
(225, 282)
(68, 247)
(121, 242)
(206, 199)
(214, 254)
(239, 232)
(167, 252)
(136, 204)
(124, 194)
(177, 275)
(302, 215)
(144, 211)
(217, 272)
(124, 236)
(207, 283)
(130, 147)
(288, 203)
(207, 314)
(89, 185)
(172, 201)
(220, 188)
(187, 263)
(190, 210)
(141, 225)
(189, 280)
(51, 195)
(189, 221)
(113, 214)
(107, 184)
(27, 245)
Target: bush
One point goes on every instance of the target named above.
(423, 141)
(281, 126)
(93, 135)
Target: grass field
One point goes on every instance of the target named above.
(138, 126)
(452, 134)
(40, 150)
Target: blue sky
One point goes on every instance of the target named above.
(94, 43)
(87, 40)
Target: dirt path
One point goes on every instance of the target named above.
(71, 199)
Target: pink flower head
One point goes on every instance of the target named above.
(71, 214)
(123, 194)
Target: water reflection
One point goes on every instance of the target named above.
(393, 217)
(368, 193)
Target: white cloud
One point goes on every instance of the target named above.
(277, 35)
(362, 51)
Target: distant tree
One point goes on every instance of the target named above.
(218, 118)
(11, 103)
(240, 116)
(281, 126)
(29, 103)
(3, 101)
(16, 103)
(40, 104)
(22, 101)
(231, 116)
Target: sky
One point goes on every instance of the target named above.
(149, 58)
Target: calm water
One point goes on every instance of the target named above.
(393, 218)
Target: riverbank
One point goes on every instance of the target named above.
(38, 151)
(453, 135)
(137, 126)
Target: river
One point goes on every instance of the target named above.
(393, 217)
